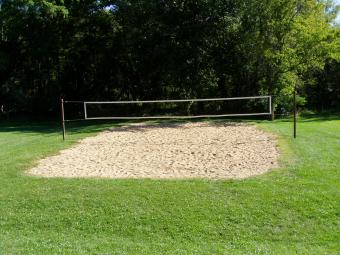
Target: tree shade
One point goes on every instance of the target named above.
(151, 49)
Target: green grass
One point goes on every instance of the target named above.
(293, 210)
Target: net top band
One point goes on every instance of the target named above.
(169, 101)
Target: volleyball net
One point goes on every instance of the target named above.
(166, 109)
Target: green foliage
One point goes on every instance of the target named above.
(293, 41)
(325, 93)
(161, 49)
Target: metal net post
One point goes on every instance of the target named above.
(62, 117)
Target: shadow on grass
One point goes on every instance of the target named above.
(53, 127)
(311, 118)
(93, 126)
(319, 117)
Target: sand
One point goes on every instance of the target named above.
(167, 151)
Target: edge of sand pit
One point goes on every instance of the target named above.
(135, 128)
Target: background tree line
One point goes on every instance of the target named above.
(162, 49)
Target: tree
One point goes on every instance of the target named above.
(149, 49)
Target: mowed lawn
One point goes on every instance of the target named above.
(293, 210)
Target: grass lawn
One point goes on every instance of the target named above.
(294, 210)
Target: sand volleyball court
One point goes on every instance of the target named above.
(167, 151)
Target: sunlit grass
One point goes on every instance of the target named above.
(295, 209)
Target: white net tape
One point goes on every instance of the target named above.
(267, 111)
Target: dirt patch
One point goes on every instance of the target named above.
(172, 151)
